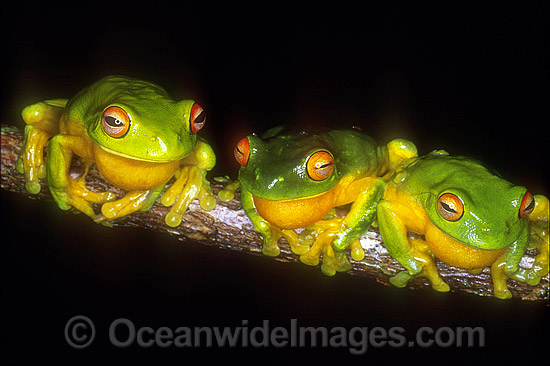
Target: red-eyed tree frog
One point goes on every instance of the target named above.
(138, 137)
(467, 217)
(294, 181)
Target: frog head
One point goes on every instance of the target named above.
(286, 167)
(470, 204)
(143, 123)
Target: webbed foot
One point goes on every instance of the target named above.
(424, 266)
(77, 195)
(190, 183)
(333, 260)
(132, 202)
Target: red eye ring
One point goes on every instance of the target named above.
(197, 119)
(527, 205)
(115, 121)
(242, 151)
(319, 166)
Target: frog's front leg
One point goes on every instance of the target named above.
(69, 190)
(507, 265)
(336, 235)
(42, 121)
(361, 215)
(190, 183)
(269, 233)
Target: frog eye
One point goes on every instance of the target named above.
(242, 151)
(320, 165)
(450, 207)
(197, 118)
(527, 205)
(115, 122)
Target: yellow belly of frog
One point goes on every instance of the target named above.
(297, 213)
(294, 214)
(132, 174)
(456, 253)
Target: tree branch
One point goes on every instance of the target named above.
(228, 227)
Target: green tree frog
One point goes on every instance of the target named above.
(295, 181)
(138, 137)
(467, 217)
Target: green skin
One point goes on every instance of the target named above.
(355, 154)
(276, 171)
(159, 132)
(491, 208)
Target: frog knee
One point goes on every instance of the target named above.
(400, 150)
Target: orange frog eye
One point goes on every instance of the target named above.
(242, 151)
(450, 207)
(115, 122)
(197, 118)
(527, 205)
(320, 165)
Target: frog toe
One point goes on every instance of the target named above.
(328, 269)
(503, 294)
(299, 248)
(356, 251)
(33, 187)
(310, 260)
(207, 202)
(173, 219)
(335, 261)
(401, 279)
(271, 250)
(441, 286)
(130, 203)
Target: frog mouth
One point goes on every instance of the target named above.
(118, 153)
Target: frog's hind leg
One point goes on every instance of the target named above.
(399, 150)
(411, 253)
(133, 201)
(42, 121)
(67, 188)
(423, 256)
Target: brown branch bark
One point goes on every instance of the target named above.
(228, 227)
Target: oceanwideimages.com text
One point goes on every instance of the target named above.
(80, 333)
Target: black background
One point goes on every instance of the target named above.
(470, 79)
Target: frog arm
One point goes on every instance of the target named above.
(202, 156)
(507, 266)
(514, 253)
(268, 232)
(394, 235)
(190, 183)
(361, 214)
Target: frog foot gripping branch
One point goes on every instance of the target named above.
(139, 139)
(294, 181)
(469, 219)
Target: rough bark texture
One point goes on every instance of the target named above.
(228, 227)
